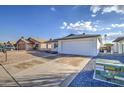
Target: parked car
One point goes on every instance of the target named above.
(9, 48)
(1, 48)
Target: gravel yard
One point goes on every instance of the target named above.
(35, 68)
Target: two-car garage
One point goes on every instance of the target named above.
(85, 46)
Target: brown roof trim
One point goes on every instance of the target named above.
(33, 39)
(23, 40)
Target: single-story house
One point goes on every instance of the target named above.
(118, 46)
(23, 44)
(29, 44)
(87, 45)
(10, 45)
(52, 45)
(106, 47)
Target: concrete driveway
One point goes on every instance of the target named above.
(36, 68)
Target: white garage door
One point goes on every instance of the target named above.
(87, 47)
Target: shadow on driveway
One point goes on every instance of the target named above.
(51, 56)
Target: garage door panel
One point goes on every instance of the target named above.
(77, 47)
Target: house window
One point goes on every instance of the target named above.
(55, 45)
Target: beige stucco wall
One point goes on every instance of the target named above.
(52, 47)
(45, 46)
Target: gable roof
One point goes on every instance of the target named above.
(24, 40)
(36, 40)
(74, 36)
(31, 40)
(118, 39)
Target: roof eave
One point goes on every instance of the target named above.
(78, 37)
(56, 40)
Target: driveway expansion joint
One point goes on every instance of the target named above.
(10, 75)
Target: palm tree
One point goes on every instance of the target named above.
(22, 37)
(105, 37)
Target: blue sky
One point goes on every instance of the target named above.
(57, 21)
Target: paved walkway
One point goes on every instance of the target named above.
(85, 77)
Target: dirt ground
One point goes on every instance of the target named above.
(35, 68)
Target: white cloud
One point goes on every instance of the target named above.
(64, 25)
(53, 9)
(93, 15)
(116, 9)
(85, 26)
(95, 9)
(114, 35)
(107, 28)
(107, 9)
(79, 26)
(101, 28)
(117, 25)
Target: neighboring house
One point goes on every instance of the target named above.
(106, 47)
(37, 43)
(52, 45)
(45, 46)
(23, 44)
(29, 44)
(87, 45)
(41, 45)
(118, 46)
(7, 45)
(10, 45)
